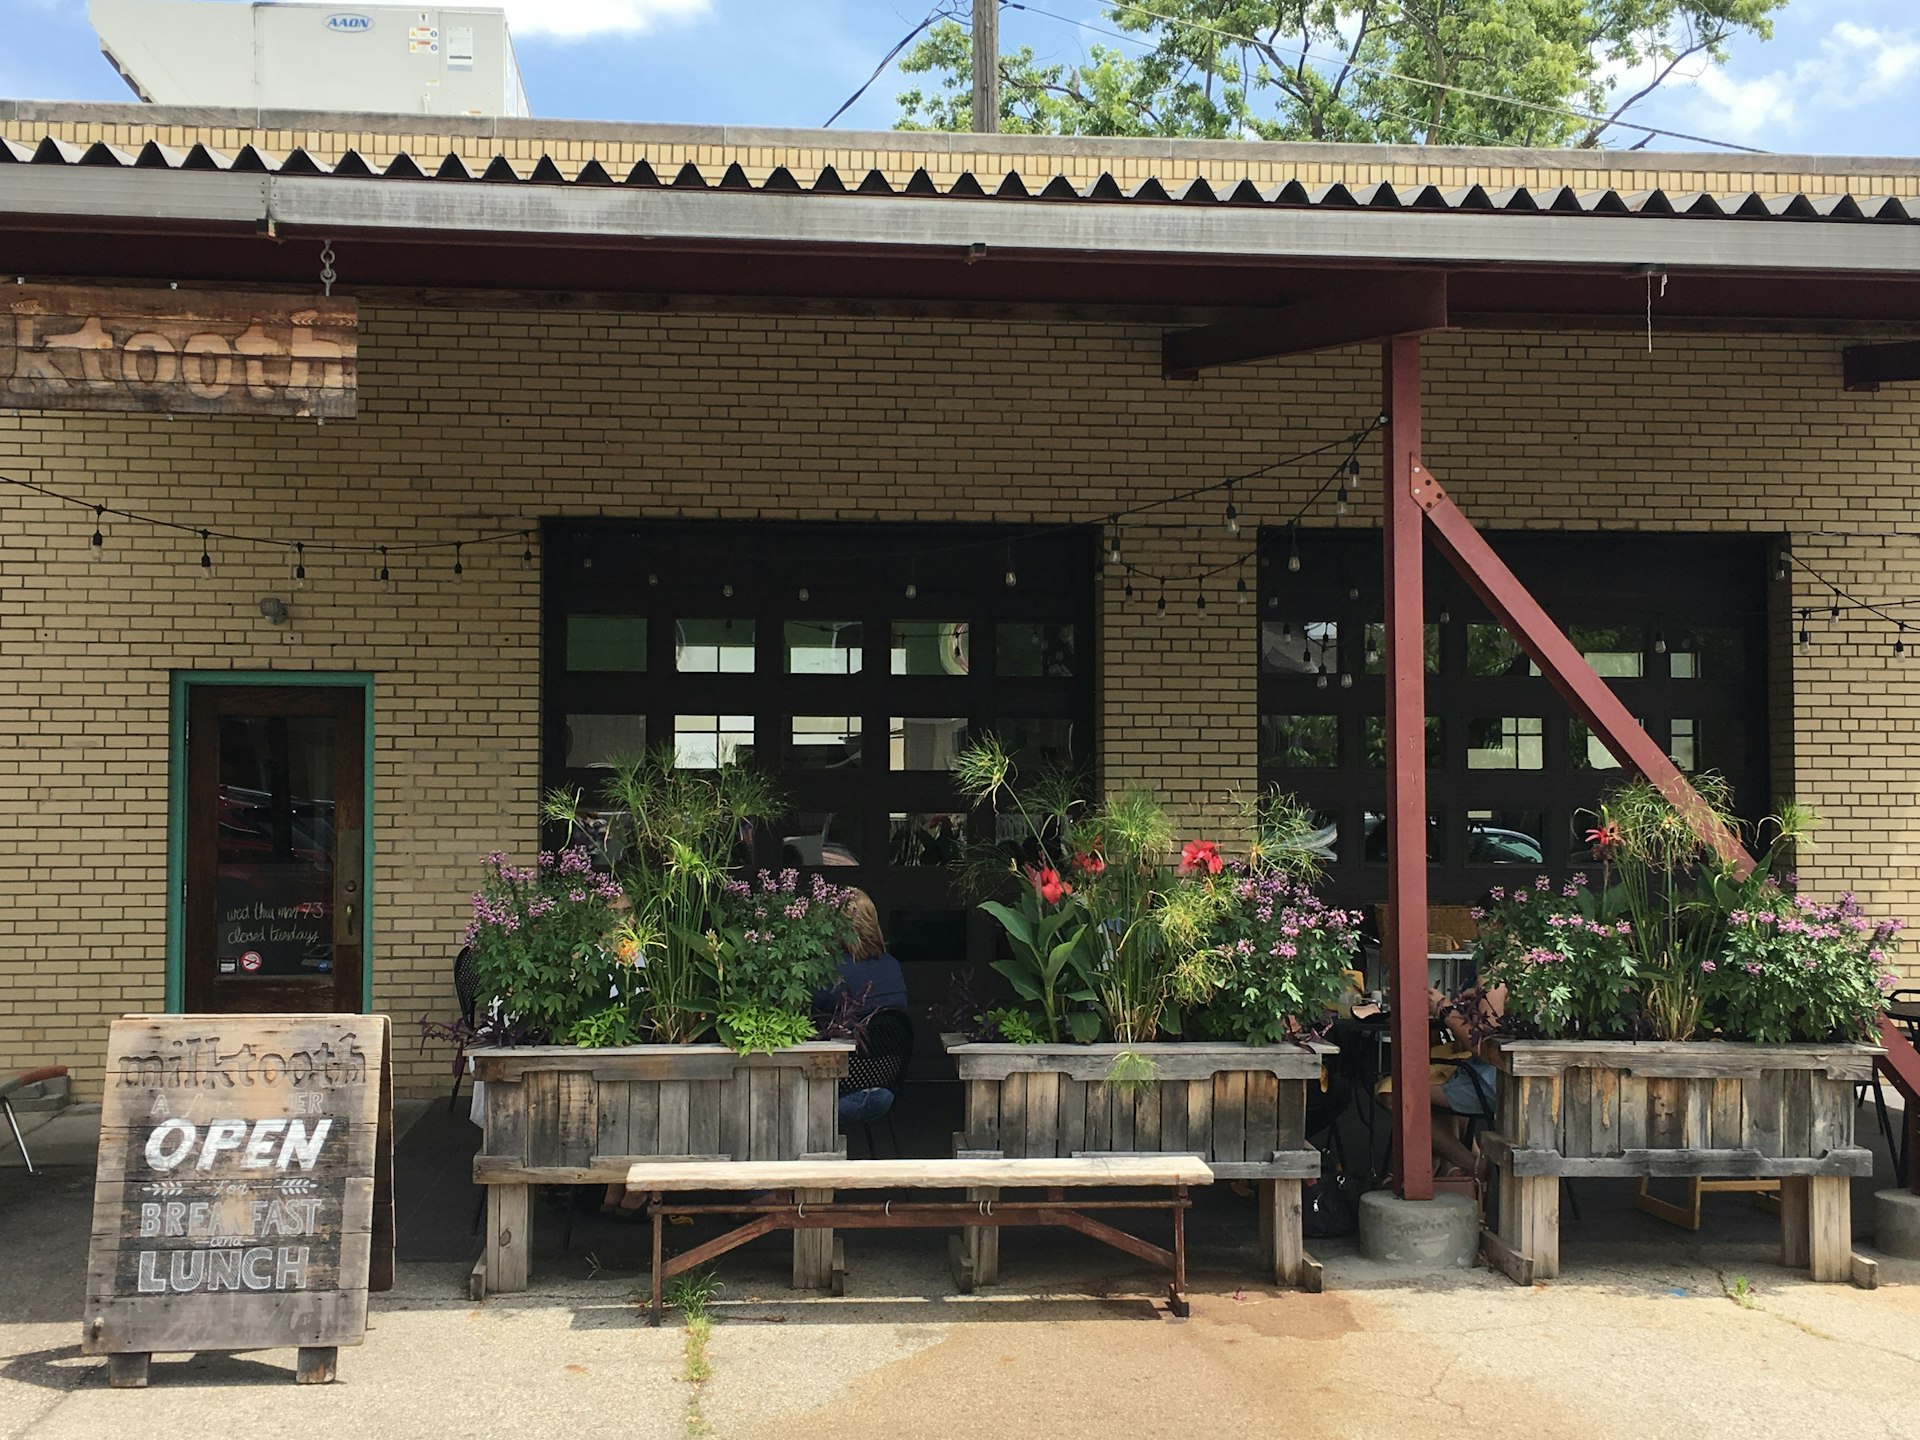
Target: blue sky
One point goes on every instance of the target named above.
(1840, 76)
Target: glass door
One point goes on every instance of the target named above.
(274, 848)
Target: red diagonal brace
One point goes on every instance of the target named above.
(1564, 666)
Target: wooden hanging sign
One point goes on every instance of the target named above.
(244, 1196)
(208, 352)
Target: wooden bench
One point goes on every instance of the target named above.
(809, 1205)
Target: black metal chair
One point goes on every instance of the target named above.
(880, 1062)
(466, 988)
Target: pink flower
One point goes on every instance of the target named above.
(1048, 884)
(1200, 855)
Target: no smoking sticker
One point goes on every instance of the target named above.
(250, 961)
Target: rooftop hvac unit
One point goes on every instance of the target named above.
(312, 57)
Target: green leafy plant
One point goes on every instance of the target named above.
(668, 835)
(1566, 958)
(1793, 969)
(782, 941)
(762, 1029)
(1282, 955)
(544, 949)
(1016, 1027)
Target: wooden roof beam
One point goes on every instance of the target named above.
(1410, 304)
(1868, 367)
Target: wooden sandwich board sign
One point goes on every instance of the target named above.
(208, 352)
(244, 1197)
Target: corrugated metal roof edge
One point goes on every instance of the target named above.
(742, 137)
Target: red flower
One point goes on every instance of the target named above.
(1088, 864)
(1199, 855)
(1050, 886)
(1604, 840)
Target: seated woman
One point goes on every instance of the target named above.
(1467, 1091)
(871, 983)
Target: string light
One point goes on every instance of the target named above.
(206, 558)
(1346, 680)
(1293, 548)
(1319, 678)
(1127, 589)
(1200, 600)
(1160, 605)
(1113, 539)
(805, 595)
(386, 575)
(1445, 617)
(1806, 635)
(1012, 579)
(727, 591)
(1373, 650)
(1240, 589)
(1659, 640)
(1233, 512)
(526, 553)
(913, 580)
(98, 545)
(458, 568)
(299, 566)
(1782, 558)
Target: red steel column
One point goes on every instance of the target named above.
(1405, 659)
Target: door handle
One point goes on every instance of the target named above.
(347, 861)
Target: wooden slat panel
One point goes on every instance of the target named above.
(1173, 1115)
(1043, 1114)
(763, 1115)
(1796, 1111)
(643, 1117)
(673, 1118)
(1765, 1097)
(1200, 1117)
(1833, 1112)
(1013, 1115)
(1181, 1061)
(1604, 1137)
(1146, 1116)
(706, 1103)
(506, 1127)
(1119, 1115)
(1073, 1116)
(736, 1114)
(1726, 1116)
(1676, 1059)
(658, 1062)
(543, 1117)
(1696, 1112)
(1263, 1116)
(1230, 1116)
(823, 1118)
(1633, 1113)
(983, 1115)
(579, 1118)
(1099, 1117)
(793, 1114)
(613, 1133)
(1577, 1125)
(1543, 1094)
(1666, 1113)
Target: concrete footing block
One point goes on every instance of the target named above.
(1435, 1234)
(1896, 1223)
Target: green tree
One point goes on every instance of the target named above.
(1500, 72)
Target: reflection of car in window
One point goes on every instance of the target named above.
(1488, 845)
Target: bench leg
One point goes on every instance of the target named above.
(653, 1313)
(812, 1249)
(1527, 1244)
(128, 1371)
(1795, 1250)
(1829, 1229)
(1283, 1248)
(316, 1365)
(1177, 1292)
(982, 1244)
(507, 1247)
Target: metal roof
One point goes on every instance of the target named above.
(1562, 199)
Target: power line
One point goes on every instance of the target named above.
(939, 12)
(1308, 55)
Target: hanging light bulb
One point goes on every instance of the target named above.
(1319, 679)
(1240, 589)
(1127, 589)
(913, 591)
(1373, 652)
(1900, 645)
(1233, 512)
(526, 552)
(1306, 653)
(1782, 561)
(386, 575)
(1346, 680)
(206, 559)
(1834, 613)
(458, 568)
(1806, 635)
(653, 578)
(1113, 540)
(727, 591)
(299, 565)
(1659, 640)
(805, 594)
(1200, 601)
(1160, 605)
(1445, 616)
(97, 547)
(1340, 506)
(1293, 550)
(1353, 592)
(1011, 578)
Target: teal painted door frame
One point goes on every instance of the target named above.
(182, 682)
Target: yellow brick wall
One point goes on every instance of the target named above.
(474, 420)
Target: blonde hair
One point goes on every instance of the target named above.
(868, 942)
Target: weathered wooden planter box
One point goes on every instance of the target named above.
(1241, 1108)
(557, 1115)
(1709, 1109)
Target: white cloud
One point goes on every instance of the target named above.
(578, 19)
(1853, 65)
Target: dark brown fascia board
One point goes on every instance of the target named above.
(1413, 304)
